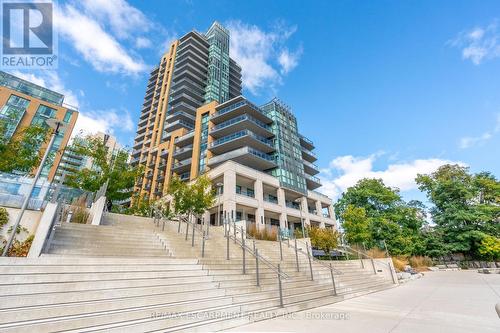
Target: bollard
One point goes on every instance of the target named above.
(179, 228)
(203, 246)
(279, 285)
(257, 266)
(333, 281)
(310, 264)
(296, 255)
(373, 265)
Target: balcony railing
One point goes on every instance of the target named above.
(241, 134)
(241, 118)
(236, 106)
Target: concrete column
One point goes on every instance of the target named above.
(305, 211)
(319, 210)
(283, 223)
(229, 195)
(259, 196)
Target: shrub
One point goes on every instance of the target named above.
(4, 217)
(376, 253)
(490, 248)
(21, 249)
(80, 215)
(399, 262)
(265, 234)
(420, 262)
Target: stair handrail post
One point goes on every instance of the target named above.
(192, 236)
(203, 245)
(227, 246)
(296, 255)
(310, 264)
(392, 272)
(373, 265)
(257, 266)
(234, 231)
(333, 281)
(253, 245)
(244, 255)
(281, 248)
(179, 227)
(163, 227)
(280, 286)
(187, 230)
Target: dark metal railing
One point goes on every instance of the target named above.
(255, 253)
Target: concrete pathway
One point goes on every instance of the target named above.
(455, 301)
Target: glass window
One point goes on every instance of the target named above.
(67, 116)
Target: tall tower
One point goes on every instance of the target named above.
(195, 71)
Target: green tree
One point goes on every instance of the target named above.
(191, 199)
(323, 238)
(465, 206)
(490, 248)
(113, 169)
(22, 152)
(372, 213)
(356, 225)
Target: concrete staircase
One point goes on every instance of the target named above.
(130, 237)
(113, 286)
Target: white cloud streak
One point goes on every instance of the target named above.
(479, 44)
(473, 141)
(98, 47)
(345, 171)
(262, 55)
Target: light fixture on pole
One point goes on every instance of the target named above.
(299, 201)
(57, 126)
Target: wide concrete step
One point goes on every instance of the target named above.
(74, 277)
(59, 269)
(33, 288)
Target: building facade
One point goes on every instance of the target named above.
(26, 104)
(195, 121)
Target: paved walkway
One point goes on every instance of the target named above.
(459, 301)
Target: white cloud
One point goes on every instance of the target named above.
(289, 60)
(106, 121)
(479, 44)
(124, 20)
(99, 48)
(471, 141)
(346, 171)
(262, 55)
(142, 43)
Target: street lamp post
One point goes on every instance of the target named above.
(57, 126)
(299, 200)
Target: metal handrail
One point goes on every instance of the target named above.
(364, 254)
(316, 260)
(249, 250)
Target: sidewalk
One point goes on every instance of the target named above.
(455, 301)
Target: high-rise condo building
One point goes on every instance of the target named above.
(194, 121)
(23, 103)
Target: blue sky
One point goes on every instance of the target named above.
(384, 88)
